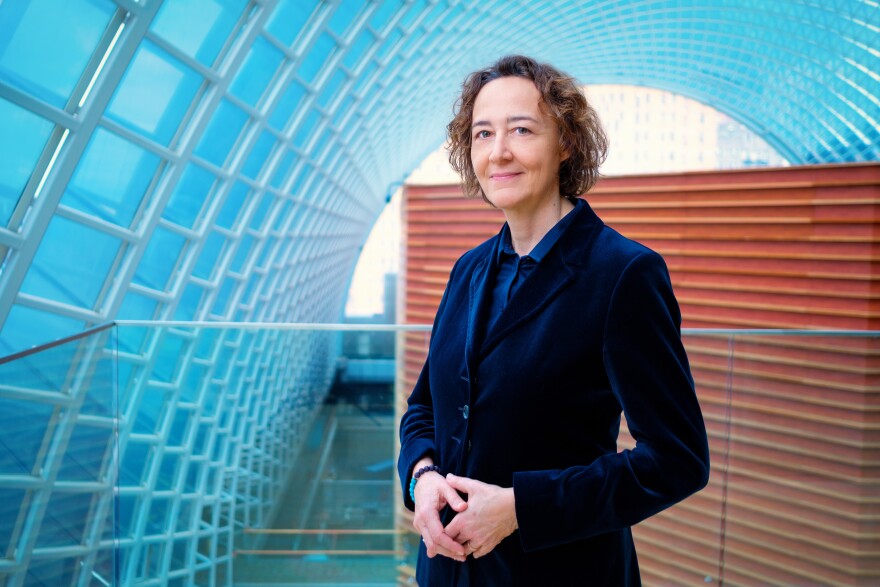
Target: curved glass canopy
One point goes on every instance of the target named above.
(224, 160)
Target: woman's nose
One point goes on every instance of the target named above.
(500, 151)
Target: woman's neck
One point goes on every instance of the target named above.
(527, 229)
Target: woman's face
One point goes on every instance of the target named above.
(515, 147)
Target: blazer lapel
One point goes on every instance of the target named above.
(482, 281)
(547, 280)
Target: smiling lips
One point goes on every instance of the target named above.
(504, 176)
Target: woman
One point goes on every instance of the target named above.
(545, 334)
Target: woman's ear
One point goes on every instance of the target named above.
(563, 150)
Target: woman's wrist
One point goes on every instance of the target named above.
(424, 466)
(422, 462)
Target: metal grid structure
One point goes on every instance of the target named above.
(225, 160)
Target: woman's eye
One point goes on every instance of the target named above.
(482, 134)
(521, 130)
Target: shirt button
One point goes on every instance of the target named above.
(465, 411)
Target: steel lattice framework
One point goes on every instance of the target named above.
(225, 160)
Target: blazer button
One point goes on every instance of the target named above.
(465, 412)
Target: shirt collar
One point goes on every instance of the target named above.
(546, 243)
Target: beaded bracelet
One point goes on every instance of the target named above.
(415, 477)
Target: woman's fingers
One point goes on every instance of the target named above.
(436, 539)
(453, 499)
(433, 494)
(464, 484)
(489, 518)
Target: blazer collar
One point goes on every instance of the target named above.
(549, 278)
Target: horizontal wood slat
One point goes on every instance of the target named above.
(794, 495)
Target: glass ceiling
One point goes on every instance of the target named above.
(207, 159)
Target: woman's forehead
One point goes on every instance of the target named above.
(508, 96)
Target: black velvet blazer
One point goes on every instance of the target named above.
(535, 404)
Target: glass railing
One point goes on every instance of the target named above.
(146, 453)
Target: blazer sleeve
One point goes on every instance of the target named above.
(417, 424)
(649, 374)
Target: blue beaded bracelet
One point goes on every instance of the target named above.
(415, 477)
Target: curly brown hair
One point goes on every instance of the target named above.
(580, 132)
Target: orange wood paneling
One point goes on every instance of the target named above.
(794, 422)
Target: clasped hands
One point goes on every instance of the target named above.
(480, 523)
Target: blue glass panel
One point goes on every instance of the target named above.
(258, 155)
(282, 218)
(221, 302)
(65, 521)
(126, 510)
(287, 104)
(256, 72)
(331, 89)
(41, 52)
(365, 77)
(111, 179)
(383, 14)
(165, 480)
(305, 129)
(411, 14)
(345, 12)
(358, 49)
(252, 287)
(160, 259)
(157, 522)
(199, 28)
(299, 180)
(281, 171)
(50, 572)
(22, 141)
(261, 211)
(25, 328)
(85, 455)
(194, 380)
(195, 473)
(11, 501)
(129, 376)
(266, 253)
(289, 18)
(211, 252)
(233, 206)
(23, 425)
(67, 273)
(136, 307)
(343, 109)
(411, 42)
(435, 16)
(187, 507)
(189, 196)
(242, 254)
(189, 303)
(170, 358)
(318, 147)
(207, 343)
(314, 61)
(149, 413)
(131, 339)
(222, 131)
(102, 389)
(390, 43)
(155, 94)
(134, 464)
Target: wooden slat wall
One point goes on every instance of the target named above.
(794, 423)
